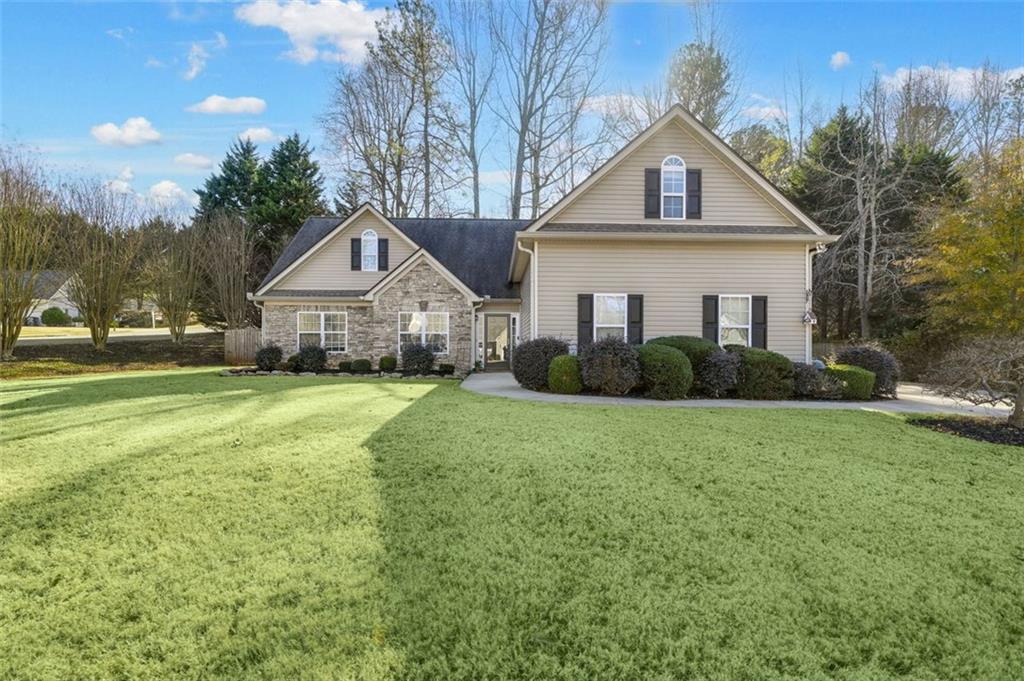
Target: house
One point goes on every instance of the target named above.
(675, 234)
(51, 290)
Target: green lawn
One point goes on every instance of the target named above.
(180, 523)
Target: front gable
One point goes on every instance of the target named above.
(733, 193)
(328, 264)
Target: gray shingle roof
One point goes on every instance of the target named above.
(691, 228)
(47, 283)
(477, 251)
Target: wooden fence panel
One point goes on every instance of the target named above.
(240, 345)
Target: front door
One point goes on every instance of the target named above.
(497, 341)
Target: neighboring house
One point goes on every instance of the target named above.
(675, 234)
(51, 290)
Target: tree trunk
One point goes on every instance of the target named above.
(1017, 415)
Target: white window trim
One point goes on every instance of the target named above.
(661, 180)
(364, 252)
(750, 317)
(320, 314)
(625, 317)
(423, 329)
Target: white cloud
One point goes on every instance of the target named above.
(199, 53)
(345, 27)
(122, 184)
(121, 34)
(959, 78)
(766, 109)
(135, 132)
(839, 60)
(216, 104)
(193, 161)
(167, 194)
(257, 135)
(154, 63)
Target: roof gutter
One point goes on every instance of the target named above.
(669, 236)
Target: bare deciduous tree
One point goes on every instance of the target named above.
(986, 370)
(172, 270)
(549, 51)
(227, 253)
(986, 116)
(470, 69)
(101, 246)
(27, 222)
(927, 113)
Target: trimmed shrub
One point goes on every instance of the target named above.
(308, 358)
(54, 316)
(417, 358)
(531, 360)
(610, 366)
(812, 383)
(564, 375)
(696, 349)
(446, 369)
(764, 375)
(877, 360)
(269, 357)
(388, 363)
(665, 372)
(345, 366)
(858, 383)
(719, 373)
(361, 366)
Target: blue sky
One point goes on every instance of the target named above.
(73, 73)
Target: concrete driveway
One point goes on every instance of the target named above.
(912, 399)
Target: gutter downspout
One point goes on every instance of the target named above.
(474, 307)
(533, 286)
(809, 285)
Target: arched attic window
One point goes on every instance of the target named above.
(369, 250)
(673, 188)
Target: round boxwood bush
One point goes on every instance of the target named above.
(269, 357)
(388, 363)
(308, 358)
(764, 375)
(610, 366)
(345, 366)
(879, 361)
(361, 366)
(531, 360)
(858, 383)
(718, 374)
(564, 375)
(54, 316)
(446, 369)
(696, 349)
(665, 372)
(417, 358)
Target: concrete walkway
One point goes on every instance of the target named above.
(913, 399)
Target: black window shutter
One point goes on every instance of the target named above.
(759, 322)
(584, 320)
(693, 194)
(652, 192)
(710, 327)
(357, 254)
(382, 255)
(635, 320)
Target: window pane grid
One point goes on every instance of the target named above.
(673, 188)
(426, 328)
(734, 320)
(328, 330)
(609, 315)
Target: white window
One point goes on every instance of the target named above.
(369, 251)
(673, 188)
(425, 328)
(734, 320)
(609, 315)
(329, 330)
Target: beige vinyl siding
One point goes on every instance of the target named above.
(727, 199)
(673, 277)
(331, 266)
(526, 295)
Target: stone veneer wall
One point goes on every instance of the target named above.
(373, 329)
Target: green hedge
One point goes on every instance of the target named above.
(858, 383)
(360, 366)
(764, 375)
(564, 375)
(696, 349)
(388, 363)
(54, 316)
(665, 372)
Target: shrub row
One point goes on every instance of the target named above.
(416, 359)
(669, 367)
(877, 360)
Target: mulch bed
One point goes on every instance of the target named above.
(996, 431)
